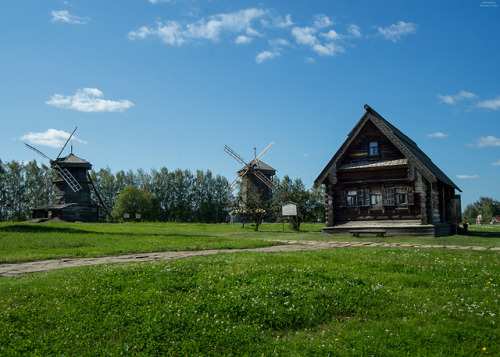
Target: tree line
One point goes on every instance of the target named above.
(486, 207)
(22, 188)
(179, 196)
(170, 196)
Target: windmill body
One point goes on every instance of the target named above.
(256, 176)
(72, 200)
(72, 192)
(252, 175)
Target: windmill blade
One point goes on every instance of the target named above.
(264, 151)
(37, 151)
(234, 155)
(66, 143)
(69, 178)
(230, 189)
(99, 197)
(264, 179)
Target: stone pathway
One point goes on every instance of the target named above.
(290, 246)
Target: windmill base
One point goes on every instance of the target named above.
(70, 212)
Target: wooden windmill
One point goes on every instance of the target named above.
(255, 176)
(72, 200)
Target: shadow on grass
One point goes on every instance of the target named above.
(30, 228)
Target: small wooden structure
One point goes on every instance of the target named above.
(72, 192)
(379, 183)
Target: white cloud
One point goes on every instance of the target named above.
(280, 42)
(154, 2)
(496, 163)
(244, 26)
(486, 141)
(395, 32)
(328, 49)
(454, 99)
(322, 21)
(331, 35)
(251, 32)
(437, 135)
(66, 17)
(89, 100)
(493, 104)
(210, 28)
(266, 55)
(305, 35)
(284, 23)
(243, 40)
(52, 138)
(354, 30)
(467, 177)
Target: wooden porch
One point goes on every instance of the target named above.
(387, 228)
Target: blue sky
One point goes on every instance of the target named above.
(168, 83)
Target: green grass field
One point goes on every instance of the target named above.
(340, 302)
(20, 242)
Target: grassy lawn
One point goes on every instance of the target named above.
(340, 302)
(485, 228)
(20, 242)
(27, 241)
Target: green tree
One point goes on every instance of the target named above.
(38, 184)
(161, 190)
(310, 204)
(107, 186)
(486, 207)
(3, 194)
(15, 185)
(222, 200)
(133, 200)
(254, 208)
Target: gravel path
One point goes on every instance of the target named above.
(292, 245)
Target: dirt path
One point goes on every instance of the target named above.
(292, 245)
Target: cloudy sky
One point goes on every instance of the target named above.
(167, 83)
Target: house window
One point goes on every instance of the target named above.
(373, 148)
(376, 198)
(352, 198)
(401, 196)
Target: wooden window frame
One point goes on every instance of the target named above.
(352, 198)
(373, 150)
(377, 194)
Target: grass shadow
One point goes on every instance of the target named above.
(31, 228)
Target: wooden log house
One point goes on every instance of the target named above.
(380, 183)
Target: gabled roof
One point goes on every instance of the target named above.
(260, 166)
(407, 147)
(73, 161)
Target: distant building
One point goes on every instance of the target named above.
(380, 183)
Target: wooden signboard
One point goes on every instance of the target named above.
(289, 209)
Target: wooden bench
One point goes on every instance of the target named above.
(376, 232)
